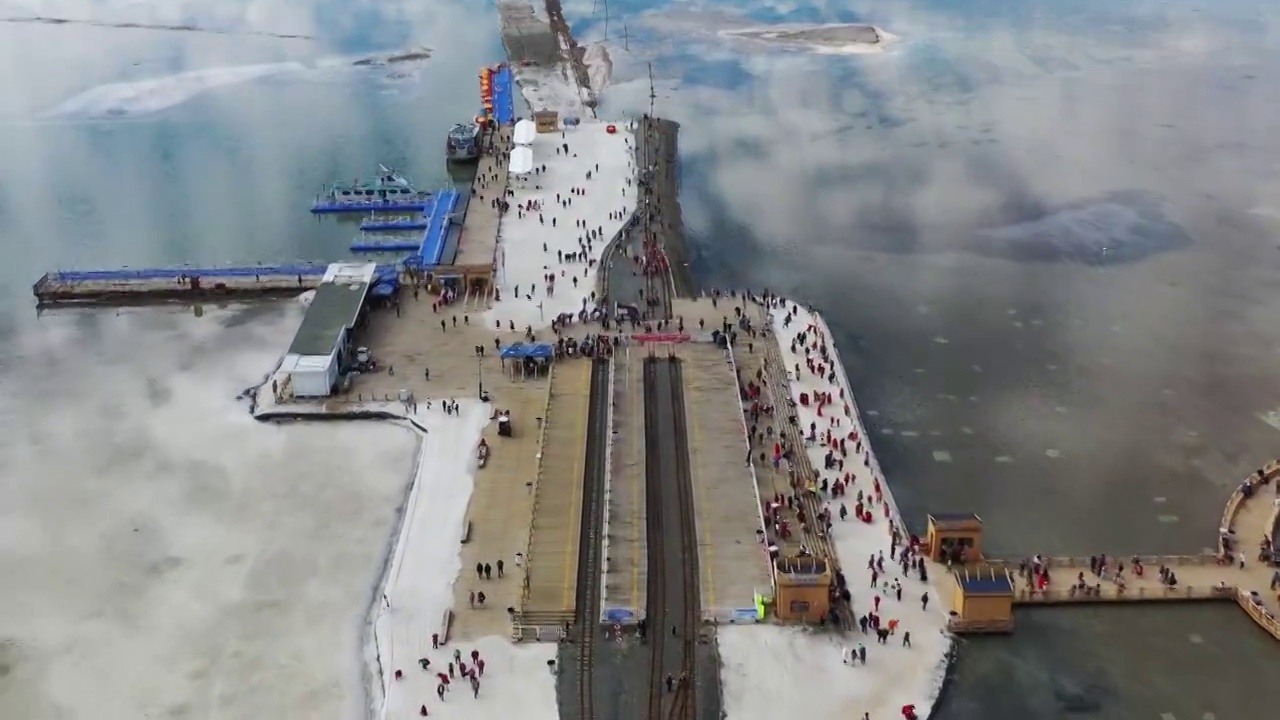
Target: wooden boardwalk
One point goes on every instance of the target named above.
(626, 561)
(552, 562)
(732, 562)
(1243, 579)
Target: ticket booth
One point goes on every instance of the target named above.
(950, 534)
(982, 600)
(546, 121)
(803, 589)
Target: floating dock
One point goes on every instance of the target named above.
(116, 287)
(385, 245)
(435, 223)
(328, 207)
(376, 225)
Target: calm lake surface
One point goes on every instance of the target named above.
(1046, 235)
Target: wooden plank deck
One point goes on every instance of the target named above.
(552, 563)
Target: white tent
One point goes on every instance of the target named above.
(521, 160)
(525, 132)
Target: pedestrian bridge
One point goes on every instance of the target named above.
(1251, 518)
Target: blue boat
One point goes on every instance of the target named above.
(463, 143)
(389, 192)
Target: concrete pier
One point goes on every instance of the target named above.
(627, 555)
(180, 284)
(551, 566)
(732, 558)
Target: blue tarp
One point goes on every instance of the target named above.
(504, 108)
(522, 350)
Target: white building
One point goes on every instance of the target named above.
(322, 345)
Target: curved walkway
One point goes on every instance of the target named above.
(1252, 520)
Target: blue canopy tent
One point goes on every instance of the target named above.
(525, 356)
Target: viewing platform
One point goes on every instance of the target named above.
(144, 285)
(1245, 570)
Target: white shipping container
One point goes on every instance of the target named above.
(311, 375)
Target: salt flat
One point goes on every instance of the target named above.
(163, 554)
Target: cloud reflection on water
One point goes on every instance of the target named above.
(178, 147)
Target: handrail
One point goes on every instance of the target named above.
(1083, 562)
(1268, 623)
(1112, 593)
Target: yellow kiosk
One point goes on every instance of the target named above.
(982, 600)
(950, 533)
(803, 589)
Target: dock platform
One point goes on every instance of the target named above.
(125, 286)
(324, 207)
(626, 555)
(403, 224)
(476, 253)
(552, 562)
(732, 560)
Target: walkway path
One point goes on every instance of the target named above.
(732, 563)
(552, 561)
(501, 500)
(1251, 583)
(627, 559)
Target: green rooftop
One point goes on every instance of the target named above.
(334, 307)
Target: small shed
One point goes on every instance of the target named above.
(547, 121)
(957, 536)
(803, 588)
(983, 599)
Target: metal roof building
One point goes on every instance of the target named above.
(321, 347)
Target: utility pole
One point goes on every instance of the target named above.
(653, 95)
(606, 19)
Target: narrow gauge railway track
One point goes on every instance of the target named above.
(673, 557)
(587, 603)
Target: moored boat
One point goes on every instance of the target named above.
(463, 143)
(389, 191)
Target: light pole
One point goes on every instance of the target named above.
(480, 377)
